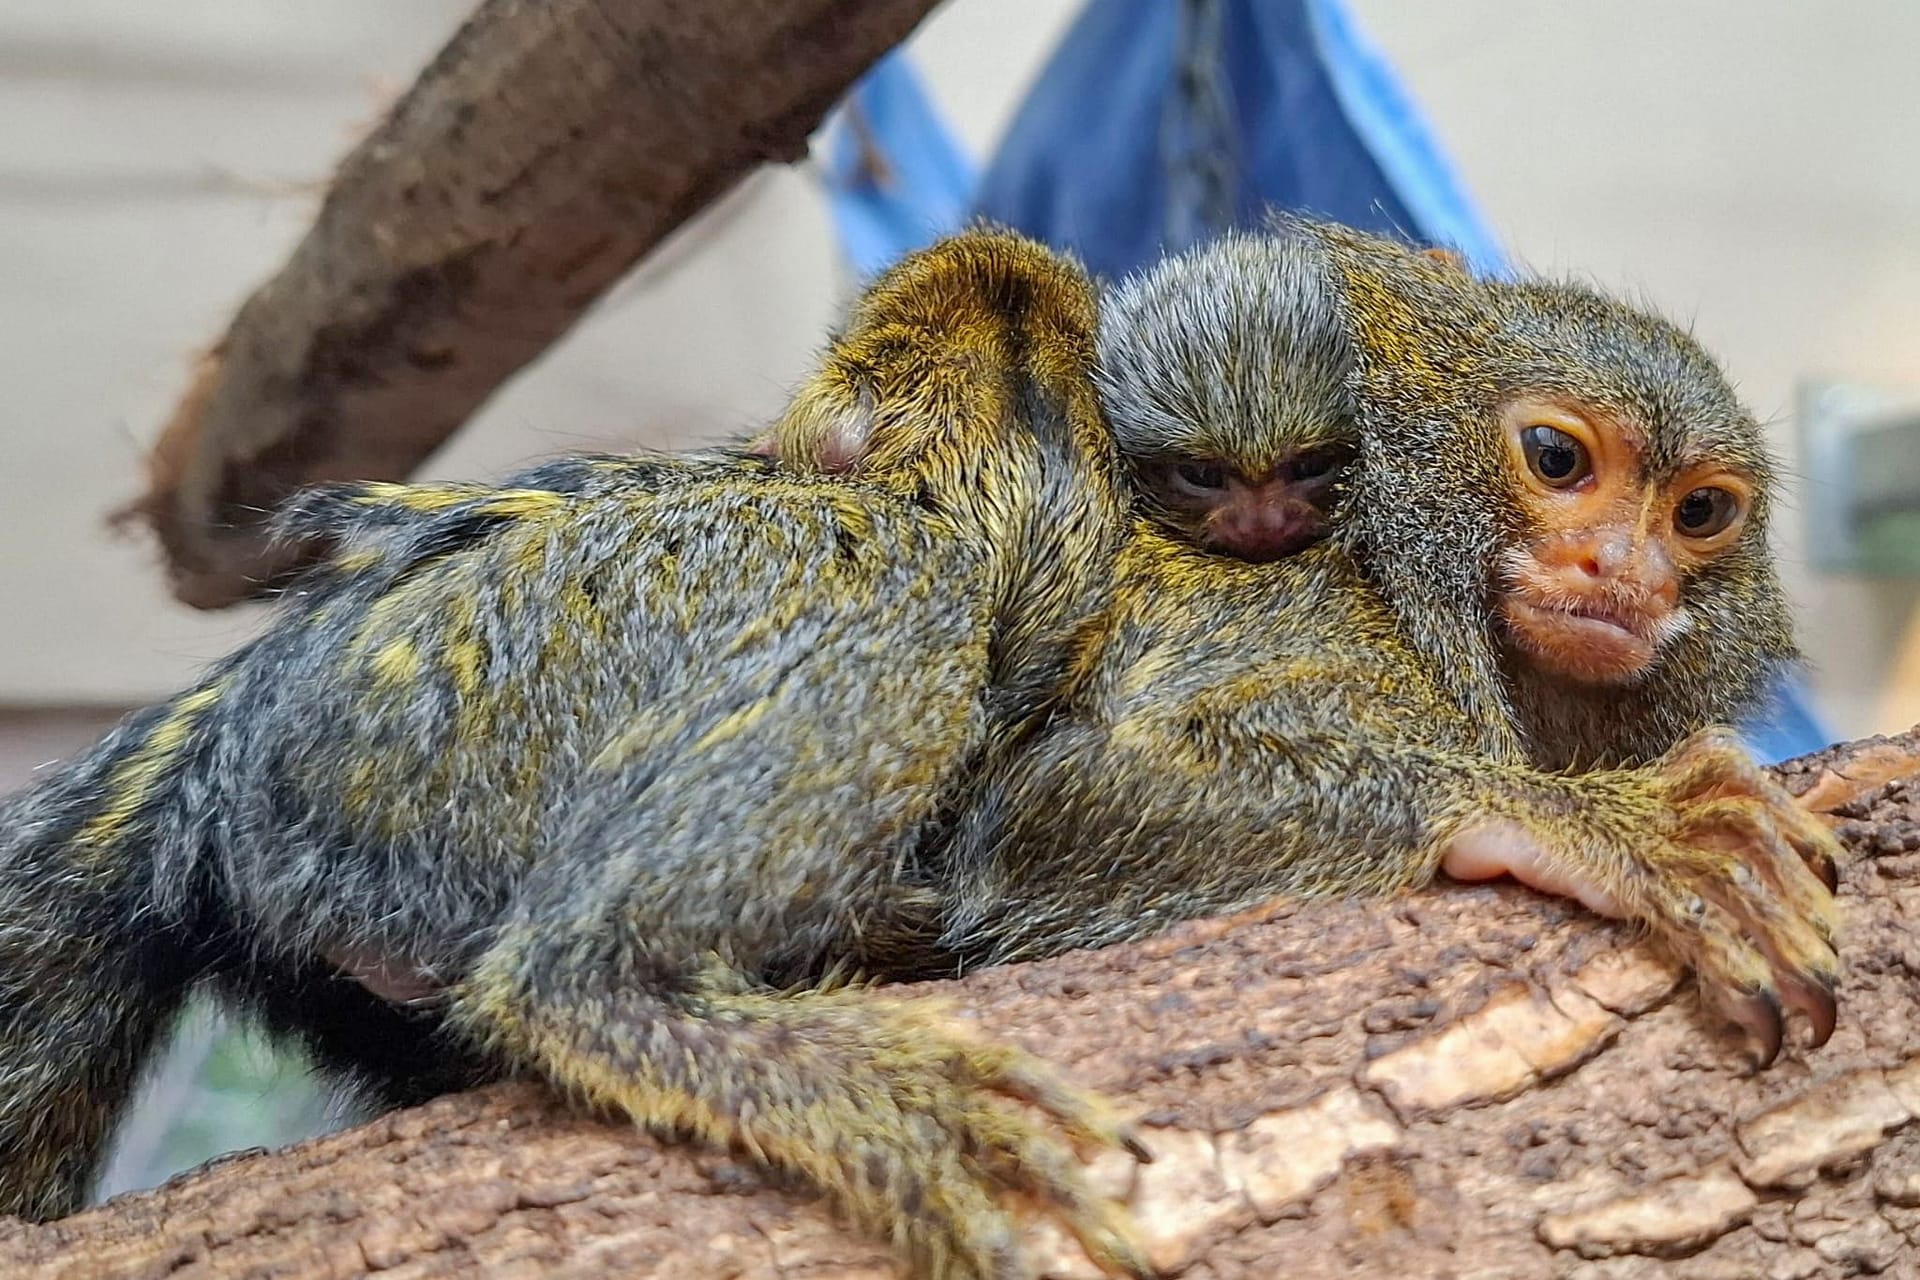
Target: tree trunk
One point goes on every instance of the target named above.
(1463, 1081)
(546, 149)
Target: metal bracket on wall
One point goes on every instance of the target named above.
(1860, 482)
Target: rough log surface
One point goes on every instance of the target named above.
(546, 148)
(1464, 1082)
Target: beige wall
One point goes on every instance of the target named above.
(1748, 166)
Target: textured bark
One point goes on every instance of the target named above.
(1466, 1081)
(547, 148)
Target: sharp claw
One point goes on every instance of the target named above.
(1140, 1151)
(1118, 1252)
(1820, 1006)
(1828, 870)
(1823, 1023)
(1763, 1019)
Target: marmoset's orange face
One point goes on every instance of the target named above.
(1593, 589)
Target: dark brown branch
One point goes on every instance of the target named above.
(547, 148)
(1333, 1089)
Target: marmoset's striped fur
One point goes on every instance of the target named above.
(609, 757)
(598, 776)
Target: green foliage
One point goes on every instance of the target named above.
(222, 1086)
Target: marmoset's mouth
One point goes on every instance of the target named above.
(1589, 642)
(1602, 613)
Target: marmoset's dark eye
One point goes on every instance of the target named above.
(1315, 464)
(1556, 457)
(1202, 475)
(1705, 512)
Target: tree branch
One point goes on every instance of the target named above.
(1331, 1089)
(545, 150)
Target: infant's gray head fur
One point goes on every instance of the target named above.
(1235, 352)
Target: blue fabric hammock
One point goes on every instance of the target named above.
(1152, 127)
